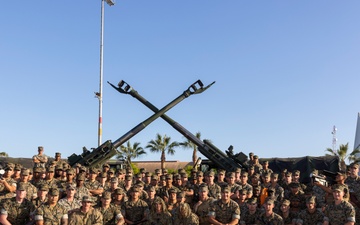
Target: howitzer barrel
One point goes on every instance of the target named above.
(207, 149)
(191, 90)
(108, 149)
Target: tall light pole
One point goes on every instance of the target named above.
(99, 94)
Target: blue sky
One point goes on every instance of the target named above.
(286, 72)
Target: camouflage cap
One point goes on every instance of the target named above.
(209, 173)
(255, 175)
(243, 192)
(222, 172)
(57, 154)
(138, 175)
(275, 175)
(106, 165)
(59, 167)
(204, 189)
(184, 175)
(354, 165)
(180, 195)
(38, 170)
(172, 190)
(244, 173)
(164, 170)
(256, 157)
(87, 198)
(83, 169)
(43, 187)
(25, 172)
(21, 187)
(311, 199)
(114, 180)
(251, 168)
(285, 202)
(157, 171)
(338, 187)
(111, 170)
(50, 169)
(257, 187)
(119, 191)
(142, 170)
(163, 177)
(134, 189)
(154, 177)
(103, 175)
(71, 187)
(238, 170)
(80, 177)
(296, 172)
(226, 189)
(181, 170)
(199, 174)
(17, 167)
(230, 174)
(269, 201)
(93, 170)
(128, 177)
(148, 174)
(140, 183)
(169, 176)
(252, 200)
(106, 195)
(294, 185)
(70, 171)
(53, 191)
(151, 189)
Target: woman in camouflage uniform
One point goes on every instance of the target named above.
(159, 215)
(185, 216)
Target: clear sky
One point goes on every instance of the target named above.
(286, 72)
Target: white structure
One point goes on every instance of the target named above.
(357, 133)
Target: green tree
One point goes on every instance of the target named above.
(189, 144)
(163, 145)
(130, 152)
(342, 153)
(3, 154)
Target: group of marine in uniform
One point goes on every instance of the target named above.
(55, 193)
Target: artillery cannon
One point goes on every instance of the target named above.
(229, 162)
(107, 150)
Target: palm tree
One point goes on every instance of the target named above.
(343, 155)
(163, 145)
(193, 146)
(130, 152)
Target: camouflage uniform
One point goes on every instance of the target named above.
(202, 211)
(135, 211)
(274, 219)
(51, 215)
(307, 218)
(4, 193)
(187, 217)
(224, 212)
(53, 183)
(31, 190)
(69, 205)
(340, 214)
(163, 218)
(354, 189)
(110, 215)
(214, 191)
(248, 218)
(42, 158)
(18, 214)
(92, 217)
(320, 196)
(81, 192)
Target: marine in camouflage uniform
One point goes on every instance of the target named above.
(310, 216)
(201, 208)
(51, 213)
(81, 190)
(135, 210)
(185, 216)
(7, 184)
(353, 182)
(111, 213)
(30, 189)
(339, 211)
(158, 214)
(224, 210)
(70, 202)
(40, 159)
(251, 214)
(16, 210)
(86, 214)
(269, 217)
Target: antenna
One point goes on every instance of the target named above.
(334, 139)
